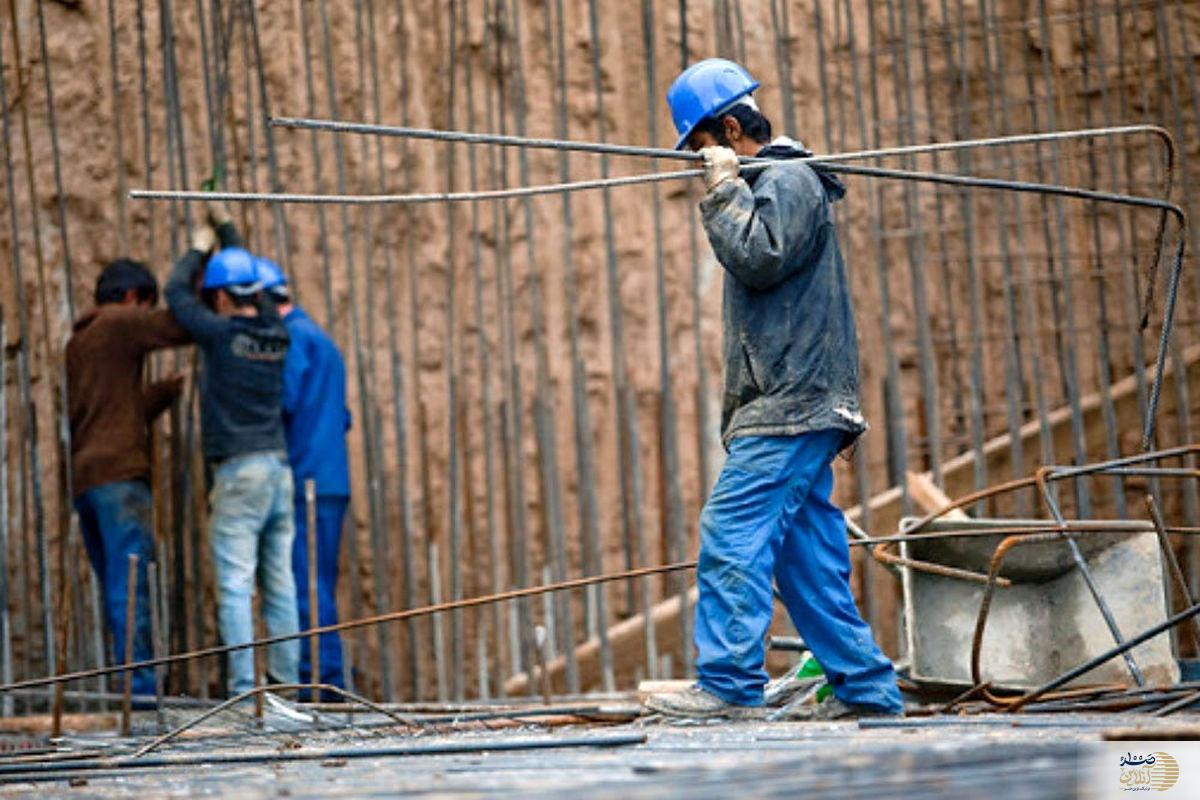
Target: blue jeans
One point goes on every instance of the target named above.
(770, 515)
(115, 521)
(330, 513)
(251, 531)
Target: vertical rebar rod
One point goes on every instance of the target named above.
(961, 126)
(118, 129)
(513, 404)
(399, 417)
(1182, 394)
(668, 444)
(486, 411)
(6, 644)
(55, 153)
(1127, 236)
(314, 617)
(543, 399)
(1060, 290)
(131, 583)
(310, 99)
(453, 460)
(861, 459)
(156, 640)
(585, 459)
(362, 370)
(976, 303)
(399, 405)
(147, 137)
(624, 410)
(1103, 355)
(897, 436)
(1013, 350)
(703, 462)
(282, 236)
(1026, 293)
(915, 236)
(783, 62)
(29, 452)
(372, 446)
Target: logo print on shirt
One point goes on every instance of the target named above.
(258, 349)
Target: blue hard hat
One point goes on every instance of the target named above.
(273, 281)
(704, 89)
(232, 269)
(269, 273)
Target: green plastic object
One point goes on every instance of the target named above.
(811, 668)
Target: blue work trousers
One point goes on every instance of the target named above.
(251, 532)
(769, 515)
(115, 521)
(330, 513)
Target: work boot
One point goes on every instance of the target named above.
(696, 703)
(830, 710)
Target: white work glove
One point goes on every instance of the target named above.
(218, 212)
(204, 238)
(720, 165)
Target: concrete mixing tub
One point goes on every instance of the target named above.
(1047, 622)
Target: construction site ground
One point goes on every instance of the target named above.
(1022, 755)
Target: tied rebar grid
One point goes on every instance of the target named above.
(1009, 321)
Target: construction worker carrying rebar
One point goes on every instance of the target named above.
(111, 410)
(243, 344)
(315, 421)
(790, 405)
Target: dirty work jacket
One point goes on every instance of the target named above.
(241, 375)
(315, 417)
(791, 354)
(111, 407)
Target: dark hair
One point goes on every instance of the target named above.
(122, 275)
(753, 123)
(209, 298)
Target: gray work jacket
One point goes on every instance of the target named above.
(791, 353)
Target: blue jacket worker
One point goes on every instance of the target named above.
(790, 406)
(111, 411)
(315, 421)
(243, 344)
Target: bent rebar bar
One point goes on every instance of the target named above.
(603, 148)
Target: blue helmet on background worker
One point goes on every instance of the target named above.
(704, 90)
(234, 270)
(273, 281)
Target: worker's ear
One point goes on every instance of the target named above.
(733, 129)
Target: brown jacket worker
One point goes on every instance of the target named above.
(111, 409)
